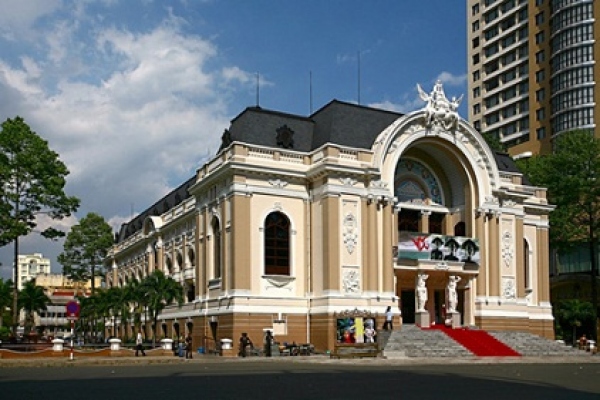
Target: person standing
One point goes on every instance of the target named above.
(268, 343)
(244, 342)
(389, 319)
(188, 347)
(139, 344)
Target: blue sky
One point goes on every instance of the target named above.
(134, 95)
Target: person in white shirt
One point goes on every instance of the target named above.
(139, 344)
(389, 319)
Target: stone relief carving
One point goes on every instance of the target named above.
(350, 234)
(508, 203)
(378, 184)
(508, 288)
(348, 181)
(278, 183)
(507, 249)
(351, 281)
(441, 112)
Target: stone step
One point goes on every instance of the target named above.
(412, 341)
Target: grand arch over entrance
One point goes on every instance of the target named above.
(435, 225)
(442, 172)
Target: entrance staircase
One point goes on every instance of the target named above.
(412, 341)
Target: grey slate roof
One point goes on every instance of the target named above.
(172, 199)
(337, 122)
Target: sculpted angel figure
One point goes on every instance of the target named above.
(421, 291)
(439, 109)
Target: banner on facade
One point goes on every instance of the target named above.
(425, 246)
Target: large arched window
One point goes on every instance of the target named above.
(216, 228)
(277, 244)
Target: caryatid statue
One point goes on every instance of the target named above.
(451, 294)
(421, 291)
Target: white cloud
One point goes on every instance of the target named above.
(17, 17)
(128, 138)
(408, 102)
(448, 78)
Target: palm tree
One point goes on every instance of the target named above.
(138, 298)
(32, 299)
(6, 297)
(161, 291)
(118, 306)
(104, 305)
(89, 314)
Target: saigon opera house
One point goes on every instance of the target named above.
(297, 219)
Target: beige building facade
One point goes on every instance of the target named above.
(297, 219)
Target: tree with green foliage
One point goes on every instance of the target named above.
(85, 248)
(573, 314)
(6, 297)
(32, 299)
(494, 142)
(161, 291)
(571, 175)
(32, 182)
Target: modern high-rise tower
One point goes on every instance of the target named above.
(532, 71)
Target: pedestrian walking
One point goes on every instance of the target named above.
(389, 319)
(188, 346)
(139, 344)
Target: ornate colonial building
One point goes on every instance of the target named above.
(299, 218)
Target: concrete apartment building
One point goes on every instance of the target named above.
(30, 266)
(531, 69)
(532, 76)
(60, 289)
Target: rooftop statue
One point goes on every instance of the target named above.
(440, 111)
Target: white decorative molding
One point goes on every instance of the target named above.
(277, 206)
(350, 234)
(351, 280)
(379, 184)
(279, 281)
(508, 288)
(492, 200)
(393, 147)
(278, 183)
(507, 249)
(348, 181)
(442, 265)
(508, 203)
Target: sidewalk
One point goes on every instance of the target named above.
(320, 359)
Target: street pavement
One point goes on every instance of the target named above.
(314, 377)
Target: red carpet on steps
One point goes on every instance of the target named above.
(478, 342)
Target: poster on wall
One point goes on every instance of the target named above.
(426, 246)
(346, 330)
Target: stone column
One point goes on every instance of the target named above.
(424, 221)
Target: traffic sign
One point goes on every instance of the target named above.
(73, 309)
